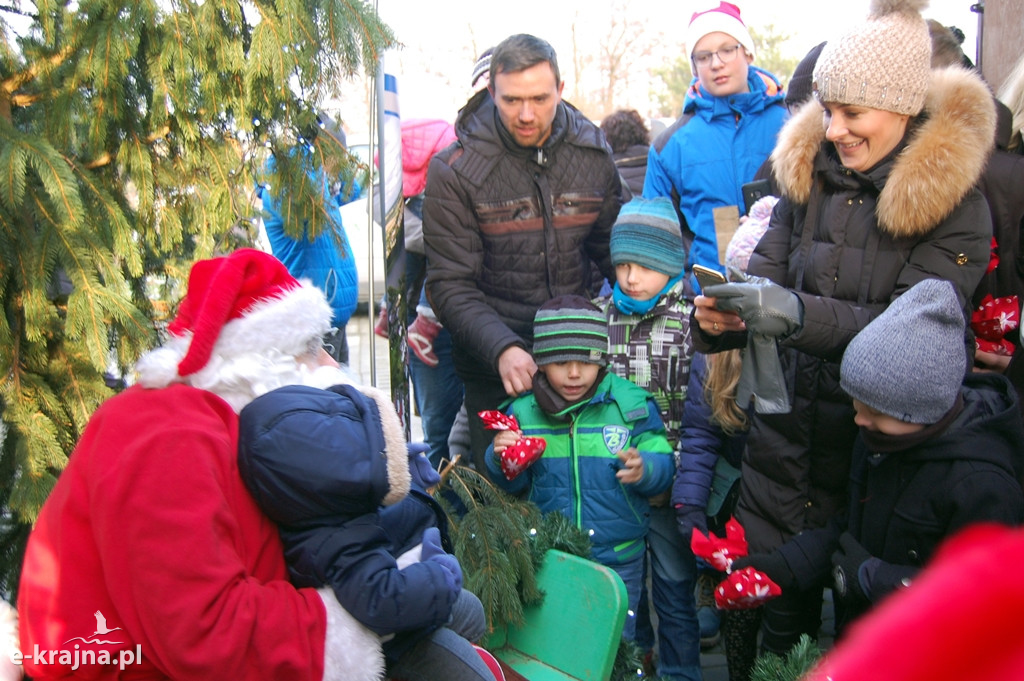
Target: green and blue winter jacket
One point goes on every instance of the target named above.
(576, 474)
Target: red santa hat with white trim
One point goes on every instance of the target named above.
(246, 302)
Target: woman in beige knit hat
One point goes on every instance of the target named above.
(877, 179)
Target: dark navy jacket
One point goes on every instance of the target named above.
(314, 462)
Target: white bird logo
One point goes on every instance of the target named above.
(101, 624)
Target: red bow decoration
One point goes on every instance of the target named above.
(740, 590)
(720, 551)
(745, 589)
(992, 320)
(496, 420)
(518, 457)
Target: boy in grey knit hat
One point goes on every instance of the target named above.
(937, 451)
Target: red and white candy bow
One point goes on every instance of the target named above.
(745, 589)
(518, 457)
(742, 589)
(991, 322)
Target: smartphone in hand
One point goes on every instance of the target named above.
(752, 191)
(707, 276)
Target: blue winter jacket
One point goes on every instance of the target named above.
(702, 161)
(325, 260)
(701, 442)
(576, 474)
(313, 460)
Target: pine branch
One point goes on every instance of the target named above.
(772, 667)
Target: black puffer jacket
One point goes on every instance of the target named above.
(905, 503)
(632, 165)
(507, 228)
(873, 235)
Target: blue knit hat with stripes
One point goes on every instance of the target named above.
(647, 233)
(570, 328)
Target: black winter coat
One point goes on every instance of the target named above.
(847, 243)
(632, 165)
(903, 504)
(507, 228)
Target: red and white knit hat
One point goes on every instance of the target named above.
(724, 18)
(246, 302)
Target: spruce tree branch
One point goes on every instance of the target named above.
(104, 159)
(23, 100)
(19, 79)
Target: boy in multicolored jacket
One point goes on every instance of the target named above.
(649, 344)
(606, 449)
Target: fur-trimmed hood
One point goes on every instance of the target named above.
(946, 151)
(311, 456)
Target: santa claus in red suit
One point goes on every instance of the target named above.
(150, 553)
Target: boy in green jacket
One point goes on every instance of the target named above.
(606, 450)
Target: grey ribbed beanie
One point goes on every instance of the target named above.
(909, 361)
(884, 63)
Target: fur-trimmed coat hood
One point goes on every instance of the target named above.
(946, 148)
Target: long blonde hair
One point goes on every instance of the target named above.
(720, 382)
(1012, 95)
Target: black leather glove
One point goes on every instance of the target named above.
(765, 307)
(689, 518)
(846, 564)
(771, 564)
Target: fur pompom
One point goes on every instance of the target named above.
(882, 7)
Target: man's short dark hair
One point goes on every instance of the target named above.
(521, 51)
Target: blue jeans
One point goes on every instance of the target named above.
(632, 574)
(438, 392)
(673, 579)
(448, 653)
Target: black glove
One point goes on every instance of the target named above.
(765, 307)
(690, 518)
(771, 564)
(846, 564)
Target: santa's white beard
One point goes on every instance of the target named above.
(240, 378)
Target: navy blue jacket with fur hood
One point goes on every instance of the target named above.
(321, 465)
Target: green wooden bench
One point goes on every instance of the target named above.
(574, 632)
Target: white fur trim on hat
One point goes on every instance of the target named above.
(283, 325)
(287, 323)
(713, 20)
(351, 651)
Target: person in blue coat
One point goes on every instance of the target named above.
(325, 259)
(331, 468)
(731, 117)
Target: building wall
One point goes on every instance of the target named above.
(1002, 39)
